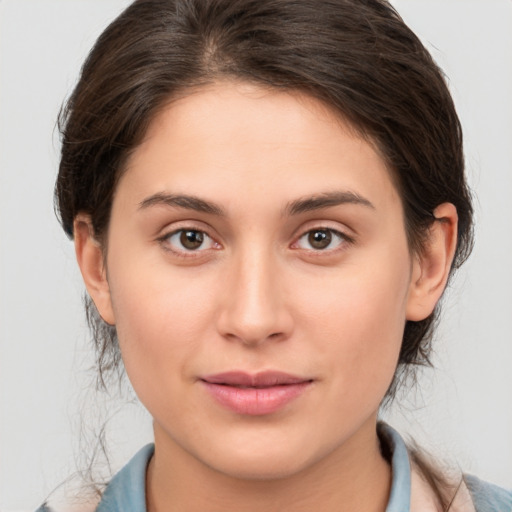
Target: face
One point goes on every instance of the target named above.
(259, 278)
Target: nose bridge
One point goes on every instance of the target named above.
(254, 310)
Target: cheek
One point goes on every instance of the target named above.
(161, 318)
(357, 317)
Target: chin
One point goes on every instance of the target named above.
(264, 456)
(274, 466)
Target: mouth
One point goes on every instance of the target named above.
(255, 394)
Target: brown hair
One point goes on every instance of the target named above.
(357, 56)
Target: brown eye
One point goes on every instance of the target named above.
(188, 241)
(320, 238)
(191, 239)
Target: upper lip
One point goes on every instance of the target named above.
(263, 379)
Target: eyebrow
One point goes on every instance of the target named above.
(326, 200)
(182, 201)
(302, 205)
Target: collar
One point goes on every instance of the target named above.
(400, 495)
(127, 490)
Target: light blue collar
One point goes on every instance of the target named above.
(400, 496)
(126, 492)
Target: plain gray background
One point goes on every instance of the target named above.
(462, 411)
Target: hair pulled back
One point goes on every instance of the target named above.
(357, 56)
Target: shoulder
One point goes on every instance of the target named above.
(67, 508)
(44, 508)
(488, 497)
(124, 493)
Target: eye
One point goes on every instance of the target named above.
(189, 240)
(321, 239)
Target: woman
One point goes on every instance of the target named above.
(267, 200)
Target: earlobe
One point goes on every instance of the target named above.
(431, 267)
(90, 259)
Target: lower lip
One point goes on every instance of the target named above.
(255, 401)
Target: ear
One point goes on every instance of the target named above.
(89, 255)
(431, 267)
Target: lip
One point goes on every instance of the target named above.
(255, 394)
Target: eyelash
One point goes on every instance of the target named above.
(184, 252)
(331, 234)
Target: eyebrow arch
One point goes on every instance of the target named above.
(326, 200)
(182, 201)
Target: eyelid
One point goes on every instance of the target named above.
(319, 224)
(182, 226)
(344, 238)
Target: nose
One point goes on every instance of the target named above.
(254, 308)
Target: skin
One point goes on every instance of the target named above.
(258, 296)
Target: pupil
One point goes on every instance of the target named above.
(191, 239)
(320, 239)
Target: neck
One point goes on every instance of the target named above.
(339, 482)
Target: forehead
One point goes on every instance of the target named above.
(239, 137)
